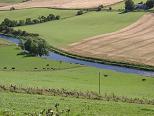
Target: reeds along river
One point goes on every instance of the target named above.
(58, 57)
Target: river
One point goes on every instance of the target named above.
(58, 57)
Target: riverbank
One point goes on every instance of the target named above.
(62, 55)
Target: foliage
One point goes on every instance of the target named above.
(99, 8)
(10, 31)
(35, 46)
(80, 12)
(129, 5)
(150, 4)
(29, 21)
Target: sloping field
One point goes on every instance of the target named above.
(3, 42)
(133, 44)
(8, 2)
(64, 32)
(35, 13)
(62, 4)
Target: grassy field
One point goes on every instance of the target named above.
(69, 76)
(121, 5)
(76, 76)
(9, 104)
(64, 32)
(4, 42)
(34, 13)
(9, 59)
(82, 79)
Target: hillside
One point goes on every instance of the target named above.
(62, 4)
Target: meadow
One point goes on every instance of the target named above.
(10, 104)
(3, 42)
(35, 13)
(10, 57)
(55, 74)
(63, 32)
(121, 4)
(27, 71)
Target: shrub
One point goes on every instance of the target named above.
(80, 12)
(150, 4)
(99, 8)
(110, 8)
(12, 8)
(129, 5)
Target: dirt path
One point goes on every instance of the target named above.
(61, 4)
(134, 43)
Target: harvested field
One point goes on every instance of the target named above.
(4, 4)
(61, 4)
(134, 43)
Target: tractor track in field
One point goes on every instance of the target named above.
(134, 43)
(66, 4)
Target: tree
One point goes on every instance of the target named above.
(21, 23)
(28, 21)
(129, 5)
(35, 21)
(80, 12)
(99, 8)
(57, 17)
(9, 23)
(36, 46)
(150, 4)
(50, 17)
(12, 8)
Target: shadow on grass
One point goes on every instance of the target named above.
(146, 109)
(25, 54)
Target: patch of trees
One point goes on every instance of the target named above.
(150, 4)
(35, 46)
(29, 21)
(129, 5)
(80, 12)
(10, 31)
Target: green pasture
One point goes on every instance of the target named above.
(35, 13)
(121, 5)
(4, 42)
(9, 58)
(83, 79)
(68, 76)
(20, 104)
(63, 32)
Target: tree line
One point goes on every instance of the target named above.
(10, 31)
(130, 5)
(13, 23)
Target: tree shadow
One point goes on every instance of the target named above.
(25, 54)
(146, 109)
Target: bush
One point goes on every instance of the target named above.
(12, 8)
(110, 8)
(36, 46)
(29, 21)
(99, 8)
(80, 12)
(129, 5)
(150, 4)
